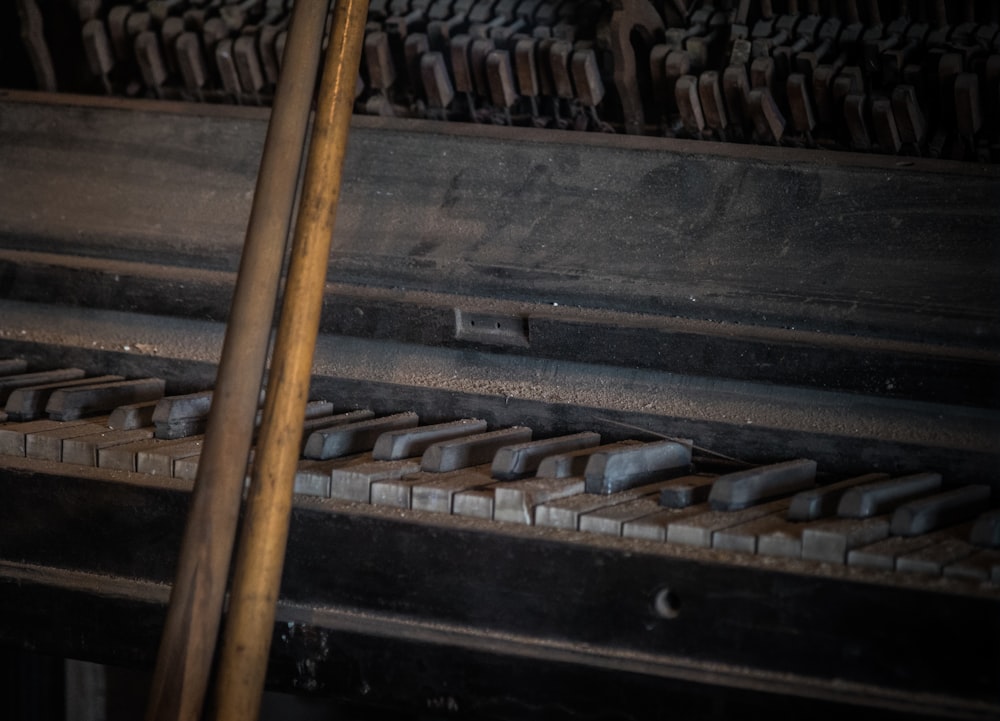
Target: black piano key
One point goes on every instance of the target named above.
(736, 491)
(574, 463)
(942, 509)
(523, 459)
(410, 443)
(133, 416)
(873, 499)
(687, 490)
(28, 402)
(617, 470)
(9, 383)
(184, 415)
(68, 404)
(473, 450)
(986, 530)
(342, 440)
(822, 502)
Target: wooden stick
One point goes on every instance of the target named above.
(189, 636)
(260, 557)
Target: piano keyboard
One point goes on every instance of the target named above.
(667, 491)
(908, 78)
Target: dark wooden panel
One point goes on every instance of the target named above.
(815, 242)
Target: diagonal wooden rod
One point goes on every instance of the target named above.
(189, 636)
(246, 639)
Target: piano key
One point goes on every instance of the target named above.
(574, 463)
(566, 512)
(183, 415)
(396, 445)
(687, 490)
(830, 541)
(742, 489)
(943, 509)
(883, 554)
(132, 416)
(12, 435)
(48, 444)
(398, 492)
(699, 530)
(610, 521)
(84, 450)
(123, 457)
(9, 383)
(745, 537)
(347, 438)
(655, 527)
(159, 459)
(435, 493)
(612, 471)
(476, 502)
(28, 402)
(519, 461)
(314, 477)
(474, 450)
(515, 502)
(874, 499)
(823, 501)
(353, 483)
(982, 565)
(986, 530)
(933, 558)
(68, 404)
(186, 467)
(781, 540)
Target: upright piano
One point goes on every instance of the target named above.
(704, 297)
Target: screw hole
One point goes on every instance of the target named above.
(667, 604)
(498, 325)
